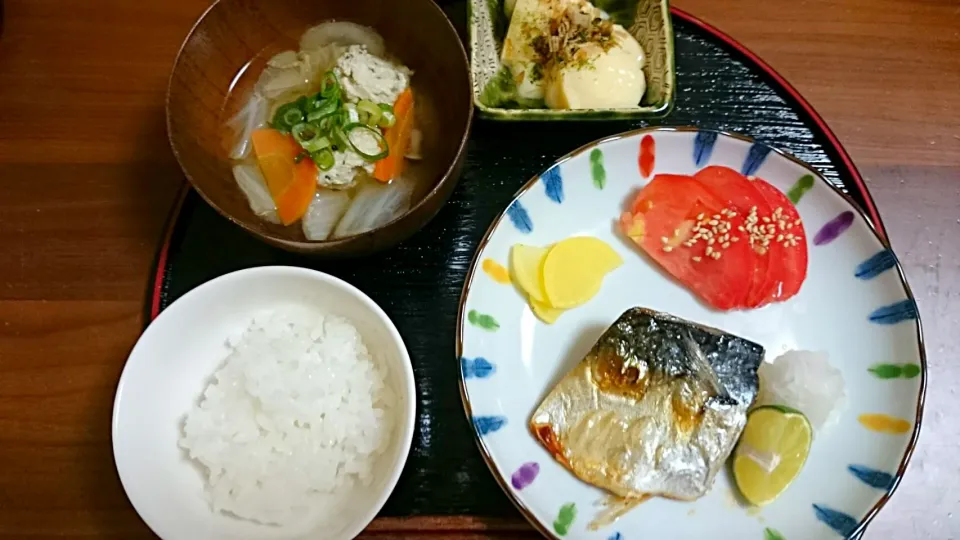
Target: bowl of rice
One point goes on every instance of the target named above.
(272, 402)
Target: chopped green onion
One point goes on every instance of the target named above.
(324, 159)
(287, 116)
(292, 117)
(323, 123)
(305, 132)
(350, 114)
(314, 102)
(309, 137)
(329, 85)
(339, 138)
(371, 110)
(317, 116)
(387, 119)
(327, 123)
(317, 144)
(324, 107)
(349, 129)
(299, 157)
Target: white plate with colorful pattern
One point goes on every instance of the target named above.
(855, 306)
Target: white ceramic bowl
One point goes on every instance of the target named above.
(173, 361)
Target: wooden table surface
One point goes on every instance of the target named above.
(87, 180)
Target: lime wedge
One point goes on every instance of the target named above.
(772, 450)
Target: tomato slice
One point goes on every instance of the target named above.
(693, 236)
(788, 268)
(737, 192)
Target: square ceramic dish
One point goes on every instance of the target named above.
(647, 20)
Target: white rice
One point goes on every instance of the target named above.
(298, 410)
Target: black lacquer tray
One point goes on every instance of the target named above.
(721, 86)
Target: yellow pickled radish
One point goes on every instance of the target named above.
(526, 263)
(772, 450)
(544, 312)
(574, 270)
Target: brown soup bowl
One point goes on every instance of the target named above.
(233, 34)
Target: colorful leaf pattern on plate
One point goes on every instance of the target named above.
(481, 320)
(597, 171)
(525, 475)
(647, 158)
(476, 368)
(520, 218)
(842, 523)
(872, 477)
(901, 311)
(895, 371)
(876, 265)
(772, 534)
(488, 424)
(803, 185)
(565, 518)
(553, 184)
(496, 271)
(703, 147)
(755, 158)
(884, 423)
(833, 229)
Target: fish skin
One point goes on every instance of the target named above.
(655, 407)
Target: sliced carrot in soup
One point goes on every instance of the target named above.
(691, 233)
(293, 202)
(291, 184)
(268, 142)
(275, 153)
(398, 139)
